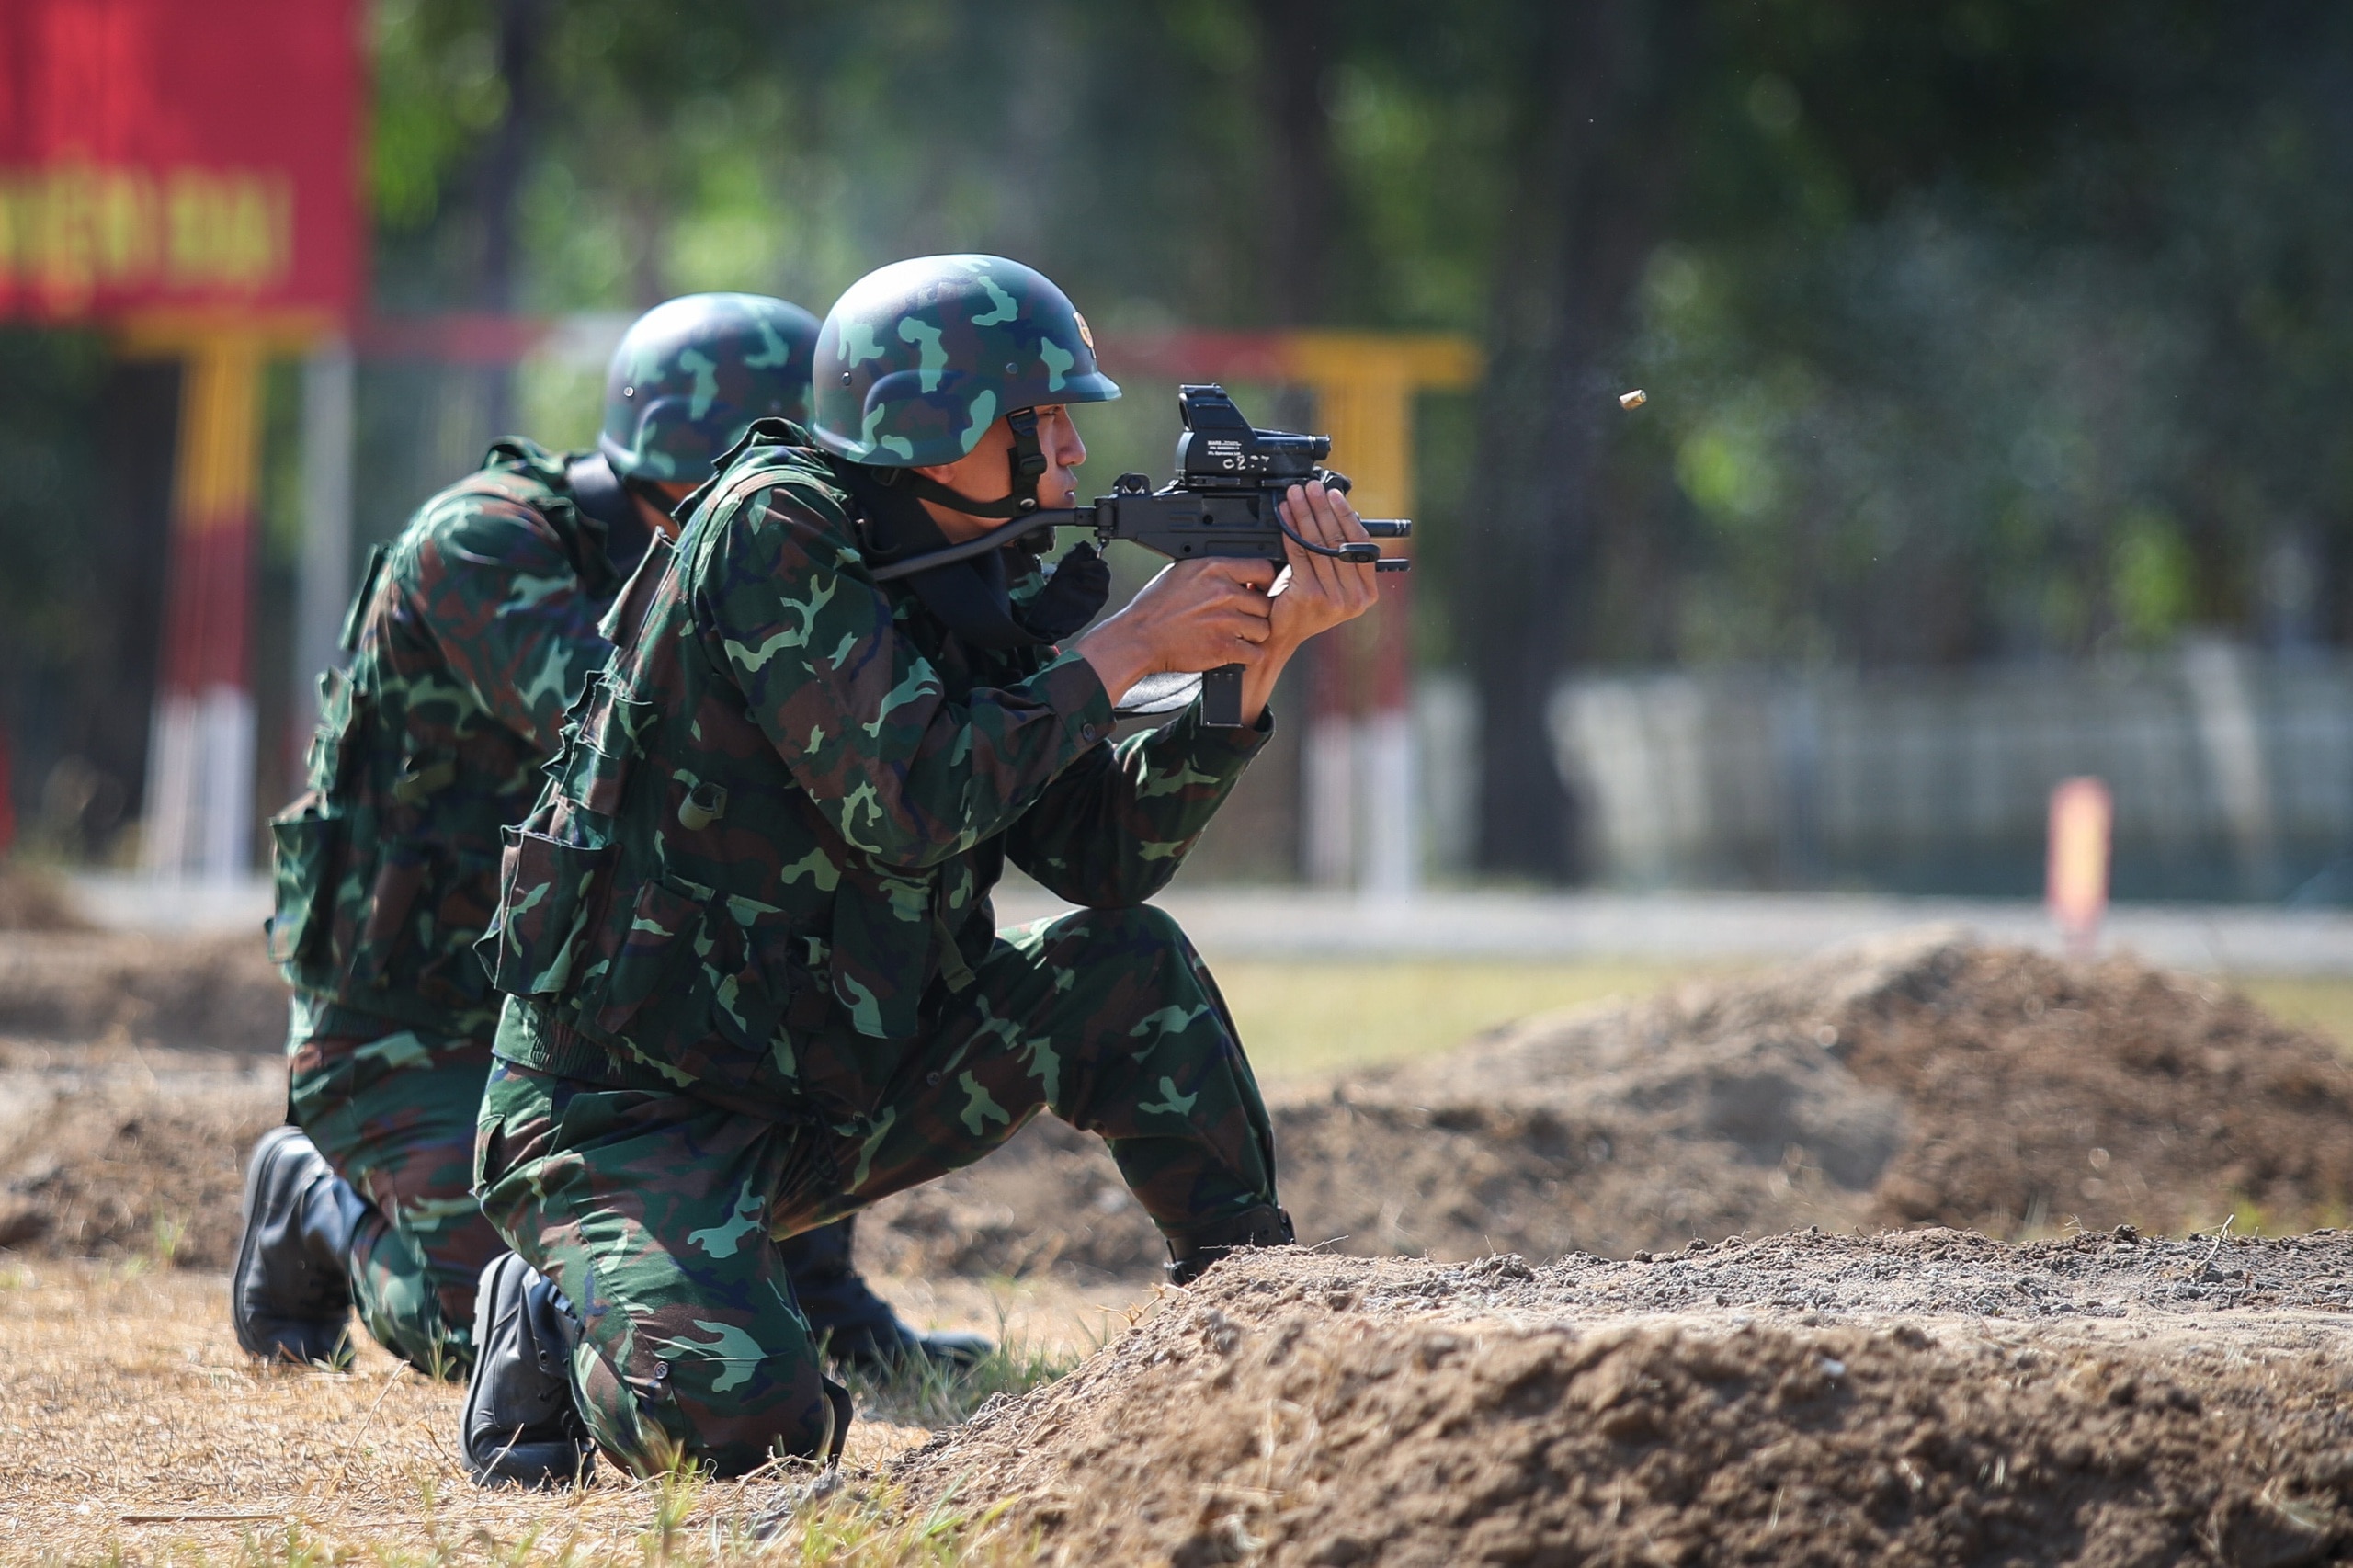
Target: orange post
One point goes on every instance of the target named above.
(2082, 822)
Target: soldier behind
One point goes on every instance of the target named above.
(472, 633)
(754, 980)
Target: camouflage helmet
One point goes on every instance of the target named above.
(916, 360)
(691, 376)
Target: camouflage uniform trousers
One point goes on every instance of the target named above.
(394, 1115)
(657, 1214)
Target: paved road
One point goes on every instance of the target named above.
(1295, 924)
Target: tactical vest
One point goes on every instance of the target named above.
(386, 867)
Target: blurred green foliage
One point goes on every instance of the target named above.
(48, 454)
(1997, 330)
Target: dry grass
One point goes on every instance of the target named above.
(133, 1430)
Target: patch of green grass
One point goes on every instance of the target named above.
(1301, 1019)
(164, 1242)
(929, 1393)
(2319, 1001)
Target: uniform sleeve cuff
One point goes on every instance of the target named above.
(1073, 690)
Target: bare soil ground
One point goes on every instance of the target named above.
(34, 901)
(113, 1152)
(215, 993)
(1922, 1080)
(1931, 1397)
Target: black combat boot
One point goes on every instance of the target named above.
(518, 1425)
(858, 1326)
(1190, 1252)
(291, 1297)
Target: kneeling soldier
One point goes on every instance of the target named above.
(754, 980)
(474, 632)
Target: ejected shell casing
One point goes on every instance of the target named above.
(1634, 399)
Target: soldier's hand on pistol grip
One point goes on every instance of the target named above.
(1194, 616)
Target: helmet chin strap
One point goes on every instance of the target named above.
(1028, 462)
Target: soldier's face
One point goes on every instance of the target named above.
(1058, 438)
(985, 473)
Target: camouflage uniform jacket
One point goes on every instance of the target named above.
(778, 813)
(471, 636)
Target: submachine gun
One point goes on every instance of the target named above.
(1230, 475)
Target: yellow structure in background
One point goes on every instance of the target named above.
(1361, 790)
(1365, 384)
(198, 820)
(219, 435)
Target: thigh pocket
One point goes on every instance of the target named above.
(882, 940)
(665, 924)
(392, 900)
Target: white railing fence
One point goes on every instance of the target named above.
(2233, 774)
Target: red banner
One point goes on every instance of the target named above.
(181, 154)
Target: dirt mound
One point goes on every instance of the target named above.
(1927, 1079)
(218, 993)
(1919, 1080)
(35, 901)
(116, 1163)
(1332, 1411)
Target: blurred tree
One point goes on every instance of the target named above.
(1596, 160)
(86, 452)
(1295, 44)
(520, 24)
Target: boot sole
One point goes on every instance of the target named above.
(265, 1158)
